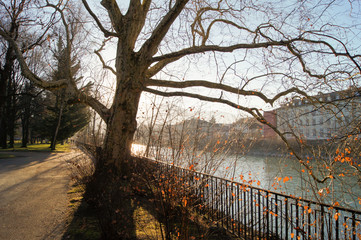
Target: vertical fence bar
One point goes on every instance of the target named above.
(233, 222)
(268, 196)
(251, 212)
(259, 212)
(322, 223)
(337, 225)
(238, 212)
(245, 213)
(353, 229)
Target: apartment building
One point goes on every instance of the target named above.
(320, 117)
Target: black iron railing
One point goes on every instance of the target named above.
(250, 212)
(254, 213)
(90, 149)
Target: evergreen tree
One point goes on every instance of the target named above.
(74, 118)
(63, 120)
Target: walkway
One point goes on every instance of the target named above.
(33, 195)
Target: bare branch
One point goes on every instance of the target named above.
(27, 73)
(106, 32)
(150, 46)
(252, 111)
(207, 84)
(159, 66)
(105, 66)
(102, 110)
(210, 48)
(135, 20)
(115, 15)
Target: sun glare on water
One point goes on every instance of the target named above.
(138, 149)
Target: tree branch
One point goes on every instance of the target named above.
(106, 32)
(219, 86)
(115, 15)
(102, 110)
(252, 111)
(150, 46)
(27, 73)
(135, 20)
(209, 48)
(159, 66)
(97, 52)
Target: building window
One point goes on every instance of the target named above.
(313, 121)
(329, 132)
(321, 120)
(307, 122)
(321, 132)
(314, 132)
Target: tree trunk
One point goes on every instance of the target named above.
(53, 142)
(25, 122)
(3, 120)
(5, 76)
(11, 111)
(113, 179)
(3, 132)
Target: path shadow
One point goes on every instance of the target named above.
(22, 160)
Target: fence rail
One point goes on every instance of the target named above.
(254, 213)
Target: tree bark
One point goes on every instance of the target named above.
(11, 110)
(53, 141)
(113, 179)
(5, 76)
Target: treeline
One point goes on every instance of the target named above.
(30, 114)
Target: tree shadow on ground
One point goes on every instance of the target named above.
(130, 206)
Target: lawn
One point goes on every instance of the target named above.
(44, 147)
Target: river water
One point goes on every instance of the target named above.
(283, 175)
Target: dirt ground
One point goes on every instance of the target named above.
(33, 195)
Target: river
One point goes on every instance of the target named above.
(284, 175)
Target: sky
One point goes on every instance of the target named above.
(206, 68)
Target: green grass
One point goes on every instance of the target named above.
(44, 147)
(82, 221)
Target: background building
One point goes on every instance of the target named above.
(320, 117)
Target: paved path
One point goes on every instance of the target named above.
(33, 195)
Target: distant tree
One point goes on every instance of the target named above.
(73, 119)
(16, 22)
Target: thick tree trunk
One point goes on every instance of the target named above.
(113, 180)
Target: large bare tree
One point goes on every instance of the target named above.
(292, 48)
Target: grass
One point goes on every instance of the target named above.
(148, 217)
(82, 221)
(42, 147)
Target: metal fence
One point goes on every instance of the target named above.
(253, 213)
